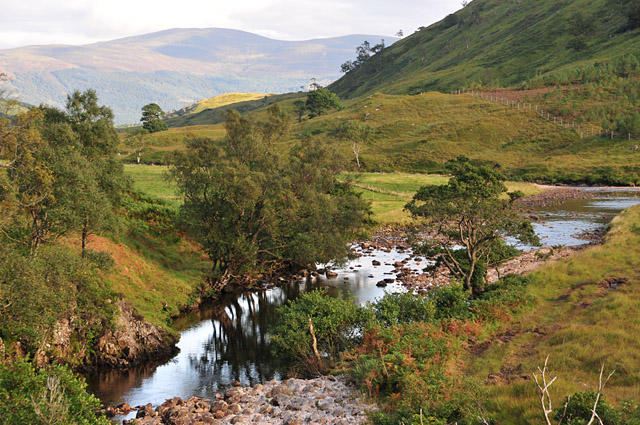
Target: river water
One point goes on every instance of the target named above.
(229, 341)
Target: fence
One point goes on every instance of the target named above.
(582, 130)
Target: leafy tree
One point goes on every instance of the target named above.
(320, 101)
(357, 134)
(469, 212)
(62, 172)
(363, 53)
(253, 209)
(299, 107)
(151, 119)
(581, 25)
(633, 15)
(136, 140)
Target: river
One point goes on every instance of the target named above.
(229, 341)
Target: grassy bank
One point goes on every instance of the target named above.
(579, 322)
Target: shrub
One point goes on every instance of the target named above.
(579, 410)
(49, 396)
(337, 324)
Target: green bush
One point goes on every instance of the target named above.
(338, 324)
(51, 396)
(39, 291)
(400, 308)
(579, 410)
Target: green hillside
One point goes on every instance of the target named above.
(213, 112)
(420, 133)
(499, 43)
(215, 102)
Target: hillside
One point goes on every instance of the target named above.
(174, 68)
(420, 133)
(213, 112)
(215, 102)
(497, 43)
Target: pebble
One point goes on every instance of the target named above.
(324, 400)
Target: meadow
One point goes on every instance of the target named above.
(418, 134)
(579, 321)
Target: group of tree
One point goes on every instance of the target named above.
(59, 176)
(318, 102)
(61, 172)
(363, 54)
(255, 209)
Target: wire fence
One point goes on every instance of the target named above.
(582, 130)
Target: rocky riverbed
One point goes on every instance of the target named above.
(324, 400)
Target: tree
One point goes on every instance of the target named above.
(299, 107)
(633, 15)
(400, 34)
(581, 26)
(320, 101)
(136, 140)
(151, 119)
(253, 209)
(356, 134)
(363, 53)
(469, 212)
(62, 172)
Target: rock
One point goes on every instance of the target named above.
(324, 400)
(376, 263)
(381, 284)
(331, 275)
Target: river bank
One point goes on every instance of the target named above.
(324, 400)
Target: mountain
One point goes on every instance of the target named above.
(499, 43)
(175, 67)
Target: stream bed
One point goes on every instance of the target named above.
(228, 341)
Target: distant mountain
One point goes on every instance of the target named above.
(175, 67)
(499, 43)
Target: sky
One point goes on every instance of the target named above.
(27, 22)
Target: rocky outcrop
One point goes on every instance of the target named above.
(130, 342)
(325, 400)
(133, 341)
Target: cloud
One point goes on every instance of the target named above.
(82, 21)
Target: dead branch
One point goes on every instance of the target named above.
(545, 398)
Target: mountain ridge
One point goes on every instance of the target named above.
(174, 67)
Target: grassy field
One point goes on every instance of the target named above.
(388, 193)
(417, 134)
(150, 179)
(579, 322)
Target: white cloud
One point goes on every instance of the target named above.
(82, 21)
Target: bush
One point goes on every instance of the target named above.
(400, 308)
(579, 410)
(49, 397)
(338, 324)
(58, 284)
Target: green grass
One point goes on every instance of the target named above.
(151, 181)
(578, 324)
(389, 193)
(418, 134)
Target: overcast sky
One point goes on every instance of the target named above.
(26, 22)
